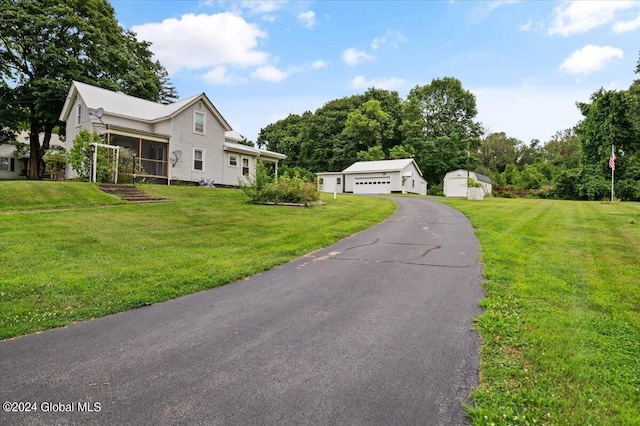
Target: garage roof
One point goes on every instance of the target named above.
(380, 166)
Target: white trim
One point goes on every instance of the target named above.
(79, 114)
(237, 157)
(248, 166)
(193, 163)
(204, 122)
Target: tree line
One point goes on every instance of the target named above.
(436, 125)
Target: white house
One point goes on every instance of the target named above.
(376, 177)
(455, 183)
(14, 165)
(11, 166)
(188, 140)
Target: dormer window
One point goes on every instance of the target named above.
(198, 123)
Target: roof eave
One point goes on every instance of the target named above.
(68, 103)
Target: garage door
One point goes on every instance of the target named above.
(372, 185)
(457, 187)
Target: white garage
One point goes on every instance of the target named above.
(375, 177)
(372, 185)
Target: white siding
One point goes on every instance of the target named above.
(183, 138)
(8, 151)
(73, 128)
(416, 183)
(130, 123)
(330, 183)
(231, 174)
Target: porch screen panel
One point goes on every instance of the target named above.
(154, 158)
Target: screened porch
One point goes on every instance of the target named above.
(150, 153)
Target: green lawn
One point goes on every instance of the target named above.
(19, 195)
(60, 266)
(561, 326)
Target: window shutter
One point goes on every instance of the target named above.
(12, 164)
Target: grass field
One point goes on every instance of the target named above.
(561, 326)
(61, 266)
(20, 195)
(561, 323)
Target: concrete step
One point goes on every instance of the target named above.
(130, 193)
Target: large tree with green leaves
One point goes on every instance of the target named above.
(497, 150)
(608, 120)
(442, 108)
(45, 44)
(369, 126)
(439, 122)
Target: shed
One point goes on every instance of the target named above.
(455, 183)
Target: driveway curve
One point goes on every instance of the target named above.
(376, 329)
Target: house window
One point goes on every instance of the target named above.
(79, 115)
(245, 167)
(233, 160)
(413, 183)
(4, 164)
(198, 123)
(338, 181)
(198, 159)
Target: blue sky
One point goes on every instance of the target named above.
(527, 63)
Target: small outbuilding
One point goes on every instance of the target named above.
(376, 177)
(456, 184)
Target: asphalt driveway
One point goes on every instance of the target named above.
(374, 330)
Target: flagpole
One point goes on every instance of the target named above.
(613, 170)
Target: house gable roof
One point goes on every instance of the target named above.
(381, 166)
(119, 104)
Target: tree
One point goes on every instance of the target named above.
(608, 120)
(402, 151)
(497, 150)
(369, 126)
(374, 153)
(563, 150)
(168, 92)
(45, 44)
(439, 122)
(440, 109)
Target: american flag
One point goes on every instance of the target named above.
(612, 160)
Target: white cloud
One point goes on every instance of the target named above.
(263, 6)
(203, 41)
(353, 56)
(391, 83)
(269, 18)
(527, 26)
(218, 76)
(581, 16)
(623, 27)
(308, 18)
(589, 59)
(319, 64)
(270, 73)
(391, 37)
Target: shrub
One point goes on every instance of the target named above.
(55, 162)
(435, 190)
(80, 155)
(262, 189)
